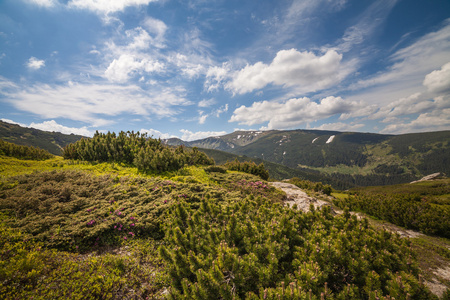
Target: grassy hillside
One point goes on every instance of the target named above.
(89, 230)
(53, 142)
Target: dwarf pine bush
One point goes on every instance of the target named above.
(130, 148)
(255, 249)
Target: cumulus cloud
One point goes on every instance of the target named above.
(291, 113)
(91, 102)
(126, 65)
(192, 136)
(106, 6)
(304, 70)
(438, 81)
(53, 126)
(35, 64)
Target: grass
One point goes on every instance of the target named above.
(342, 196)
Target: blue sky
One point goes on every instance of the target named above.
(198, 68)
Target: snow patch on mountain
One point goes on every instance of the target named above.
(330, 139)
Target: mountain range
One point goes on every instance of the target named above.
(356, 158)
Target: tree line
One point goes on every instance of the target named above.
(135, 149)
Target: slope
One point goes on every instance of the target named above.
(53, 142)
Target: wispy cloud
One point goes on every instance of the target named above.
(370, 21)
(412, 63)
(431, 121)
(93, 103)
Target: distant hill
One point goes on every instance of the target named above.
(53, 142)
(277, 171)
(355, 158)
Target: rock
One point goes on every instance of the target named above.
(295, 195)
(430, 177)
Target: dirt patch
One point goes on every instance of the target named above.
(436, 287)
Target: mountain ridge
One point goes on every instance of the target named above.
(386, 158)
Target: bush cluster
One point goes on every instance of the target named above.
(147, 154)
(312, 186)
(406, 210)
(248, 167)
(23, 152)
(255, 249)
(30, 271)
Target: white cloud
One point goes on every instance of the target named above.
(192, 136)
(126, 65)
(107, 6)
(35, 64)
(339, 126)
(438, 81)
(156, 134)
(53, 126)
(221, 110)
(292, 112)
(207, 102)
(13, 122)
(431, 121)
(202, 118)
(216, 76)
(409, 66)
(92, 102)
(415, 103)
(304, 70)
(158, 28)
(191, 66)
(369, 21)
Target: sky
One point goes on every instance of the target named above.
(197, 68)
